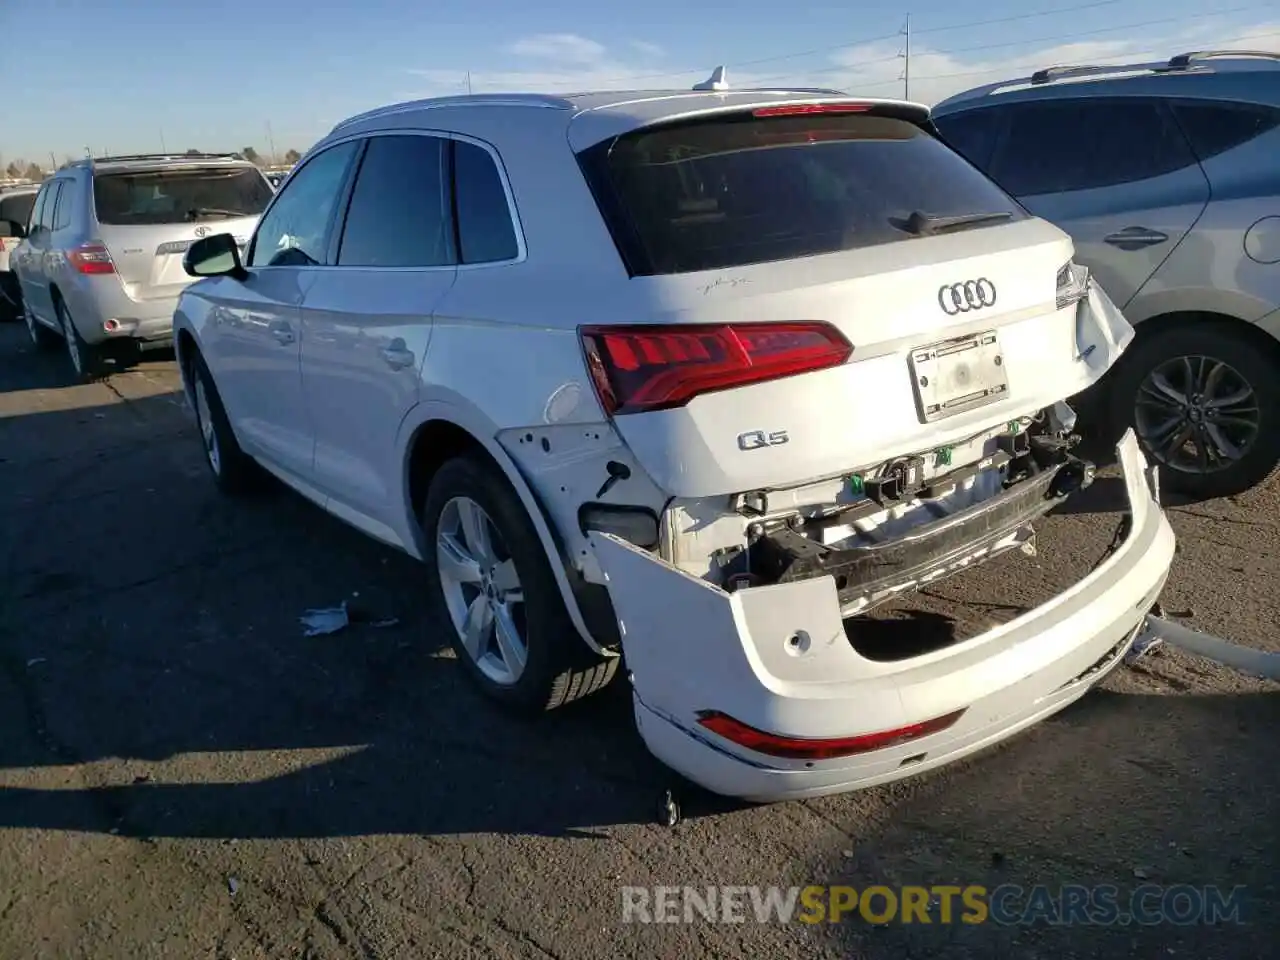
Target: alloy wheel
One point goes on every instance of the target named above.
(207, 434)
(1197, 414)
(32, 329)
(482, 590)
(73, 341)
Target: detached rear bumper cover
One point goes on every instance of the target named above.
(777, 658)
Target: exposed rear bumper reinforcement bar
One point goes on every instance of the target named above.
(785, 555)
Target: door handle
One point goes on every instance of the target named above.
(397, 357)
(1135, 238)
(282, 332)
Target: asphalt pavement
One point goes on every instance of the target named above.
(184, 774)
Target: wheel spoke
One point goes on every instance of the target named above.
(1232, 399)
(509, 644)
(455, 561)
(1177, 441)
(1223, 446)
(1189, 379)
(476, 626)
(1165, 427)
(1158, 387)
(1212, 379)
(475, 532)
(507, 581)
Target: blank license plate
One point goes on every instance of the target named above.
(958, 375)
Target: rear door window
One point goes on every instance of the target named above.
(50, 204)
(62, 209)
(140, 197)
(1060, 146)
(764, 186)
(1215, 128)
(399, 214)
(485, 231)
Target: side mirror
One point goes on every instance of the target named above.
(216, 256)
(10, 229)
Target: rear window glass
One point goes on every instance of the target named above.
(179, 196)
(741, 190)
(17, 207)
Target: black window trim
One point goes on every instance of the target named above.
(338, 228)
(352, 164)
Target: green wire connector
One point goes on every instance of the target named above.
(855, 486)
(942, 457)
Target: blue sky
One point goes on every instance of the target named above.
(136, 75)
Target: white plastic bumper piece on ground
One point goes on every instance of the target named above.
(1259, 663)
(777, 659)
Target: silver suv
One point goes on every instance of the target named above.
(100, 262)
(1164, 175)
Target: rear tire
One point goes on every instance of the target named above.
(487, 568)
(86, 359)
(1212, 385)
(234, 471)
(45, 340)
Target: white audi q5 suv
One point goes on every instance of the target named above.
(690, 380)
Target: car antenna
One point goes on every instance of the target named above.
(715, 82)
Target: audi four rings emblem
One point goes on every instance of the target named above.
(956, 298)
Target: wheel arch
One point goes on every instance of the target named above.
(1249, 330)
(437, 430)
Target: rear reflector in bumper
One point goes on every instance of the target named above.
(799, 748)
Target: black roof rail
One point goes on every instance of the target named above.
(1054, 73)
(1183, 60)
(125, 157)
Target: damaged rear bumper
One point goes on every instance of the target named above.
(775, 661)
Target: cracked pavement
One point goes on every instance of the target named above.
(183, 774)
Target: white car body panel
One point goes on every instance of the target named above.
(731, 652)
(329, 375)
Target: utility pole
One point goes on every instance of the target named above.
(272, 141)
(906, 60)
(163, 147)
(468, 83)
(53, 163)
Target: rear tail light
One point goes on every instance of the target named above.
(799, 748)
(644, 368)
(1073, 284)
(91, 258)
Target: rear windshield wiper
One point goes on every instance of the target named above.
(213, 212)
(924, 225)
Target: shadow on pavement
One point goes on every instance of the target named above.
(149, 623)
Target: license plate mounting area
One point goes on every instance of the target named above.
(953, 376)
